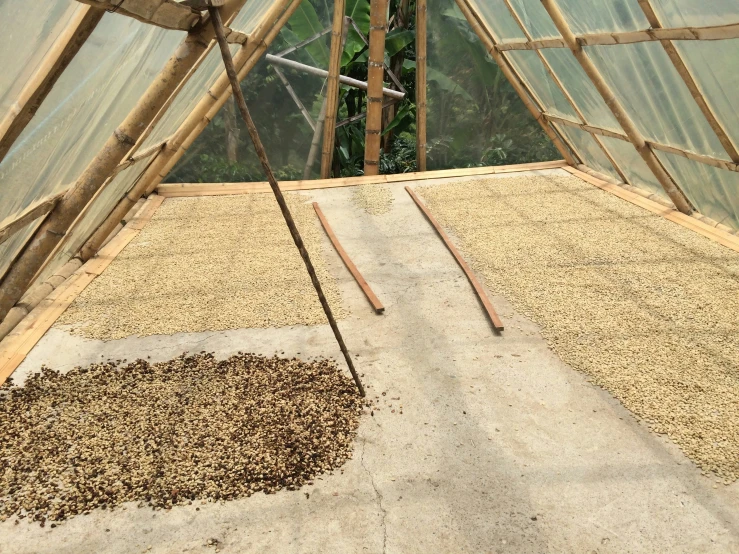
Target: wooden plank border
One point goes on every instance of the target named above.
(174, 190)
(366, 289)
(484, 300)
(16, 346)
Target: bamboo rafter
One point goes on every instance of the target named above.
(719, 32)
(162, 13)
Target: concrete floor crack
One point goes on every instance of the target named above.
(379, 497)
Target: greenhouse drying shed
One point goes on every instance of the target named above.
(369, 276)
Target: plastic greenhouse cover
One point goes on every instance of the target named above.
(25, 42)
(499, 19)
(535, 18)
(696, 13)
(655, 96)
(588, 150)
(634, 167)
(603, 16)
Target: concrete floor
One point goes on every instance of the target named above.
(500, 446)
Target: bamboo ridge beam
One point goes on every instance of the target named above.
(339, 28)
(526, 96)
(162, 13)
(262, 155)
(629, 127)
(343, 79)
(246, 58)
(717, 32)
(375, 73)
(113, 152)
(421, 83)
(59, 56)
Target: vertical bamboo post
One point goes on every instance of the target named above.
(315, 143)
(56, 60)
(421, 47)
(56, 225)
(262, 155)
(375, 72)
(627, 124)
(246, 58)
(339, 29)
(689, 81)
(526, 96)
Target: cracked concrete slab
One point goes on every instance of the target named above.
(500, 446)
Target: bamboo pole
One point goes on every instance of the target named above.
(40, 208)
(262, 155)
(526, 96)
(375, 72)
(689, 81)
(315, 142)
(635, 136)
(564, 91)
(421, 50)
(294, 96)
(48, 235)
(162, 13)
(339, 28)
(190, 129)
(59, 56)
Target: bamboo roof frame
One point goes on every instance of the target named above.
(162, 13)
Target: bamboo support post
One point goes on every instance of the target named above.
(563, 90)
(526, 96)
(59, 56)
(421, 49)
(262, 155)
(315, 143)
(48, 235)
(689, 81)
(339, 28)
(190, 129)
(627, 124)
(162, 13)
(375, 72)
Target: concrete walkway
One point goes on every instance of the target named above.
(500, 447)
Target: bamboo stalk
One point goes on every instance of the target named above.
(262, 155)
(375, 72)
(162, 13)
(690, 82)
(31, 213)
(58, 222)
(59, 56)
(315, 143)
(635, 136)
(295, 98)
(421, 49)
(190, 129)
(339, 28)
(526, 96)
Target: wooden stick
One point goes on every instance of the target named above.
(339, 28)
(524, 93)
(627, 124)
(366, 289)
(689, 81)
(479, 290)
(38, 209)
(421, 49)
(215, 18)
(59, 56)
(162, 13)
(375, 73)
(58, 222)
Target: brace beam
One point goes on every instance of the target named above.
(162, 13)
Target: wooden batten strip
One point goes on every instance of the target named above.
(479, 290)
(366, 289)
(38, 209)
(690, 221)
(18, 344)
(178, 190)
(421, 82)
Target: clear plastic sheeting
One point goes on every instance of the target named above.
(535, 18)
(11, 247)
(715, 67)
(713, 191)
(655, 96)
(474, 116)
(588, 150)
(580, 88)
(603, 16)
(499, 20)
(633, 166)
(532, 70)
(28, 35)
(696, 13)
(251, 15)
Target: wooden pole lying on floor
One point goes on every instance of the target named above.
(421, 48)
(619, 112)
(375, 72)
(361, 281)
(215, 17)
(484, 300)
(339, 29)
